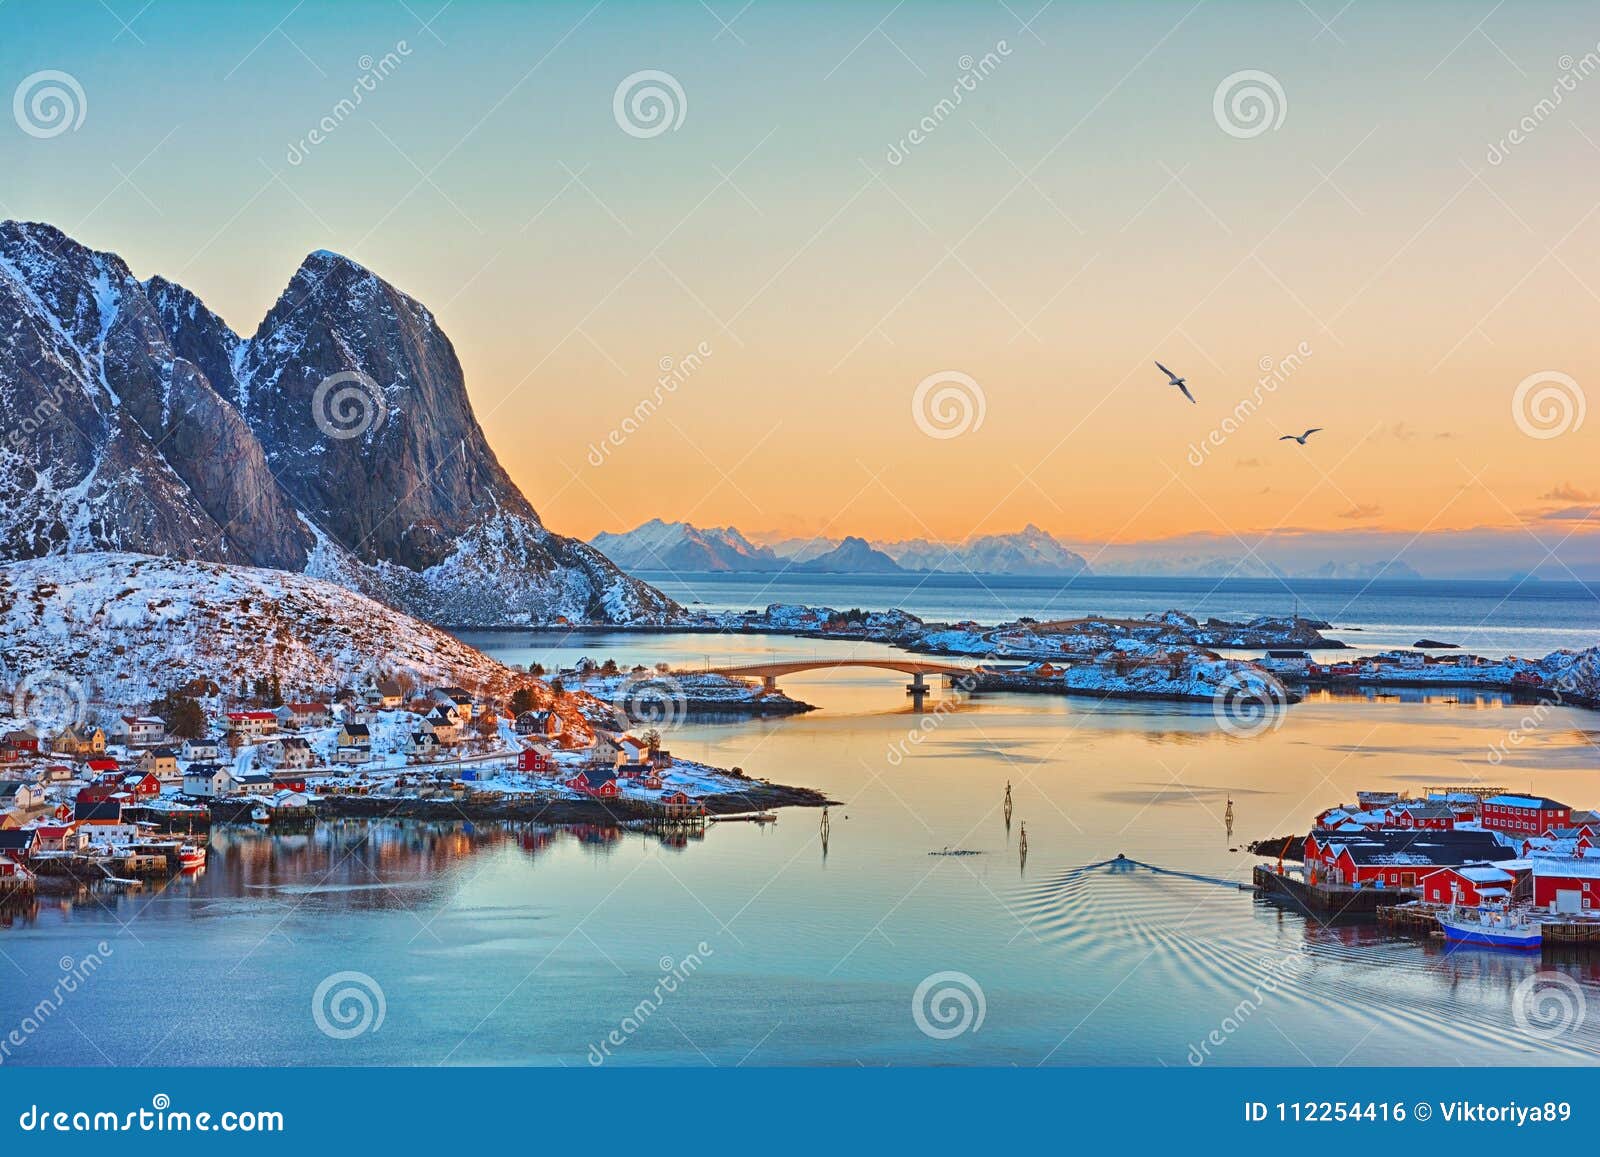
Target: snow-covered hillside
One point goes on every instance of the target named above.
(127, 627)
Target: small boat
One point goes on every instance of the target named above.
(190, 856)
(260, 814)
(1491, 928)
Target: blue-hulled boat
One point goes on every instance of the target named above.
(1490, 928)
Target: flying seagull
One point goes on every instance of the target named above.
(1174, 380)
(1300, 438)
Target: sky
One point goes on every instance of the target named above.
(888, 312)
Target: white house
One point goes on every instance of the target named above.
(1291, 663)
(252, 724)
(252, 783)
(20, 796)
(140, 730)
(421, 744)
(301, 715)
(207, 780)
(201, 750)
(289, 753)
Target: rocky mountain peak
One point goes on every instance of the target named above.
(339, 439)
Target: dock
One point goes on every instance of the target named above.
(1421, 919)
(1326, 900)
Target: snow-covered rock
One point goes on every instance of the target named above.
(338, 440)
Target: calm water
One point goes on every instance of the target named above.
(1491, 618)
(532, 945)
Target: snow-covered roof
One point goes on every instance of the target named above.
(1566, 867)
(1483, 874)
(1538, 802)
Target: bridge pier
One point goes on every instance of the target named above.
(918, 684)
(769, 684)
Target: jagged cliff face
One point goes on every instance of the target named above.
(339, 440)
(406, 470)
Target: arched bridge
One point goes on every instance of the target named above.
(918, 669)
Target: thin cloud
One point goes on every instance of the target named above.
(1567, 492)
(1571, 514)
(1361, 512)
(1247, 463)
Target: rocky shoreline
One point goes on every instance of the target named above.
(486, 808)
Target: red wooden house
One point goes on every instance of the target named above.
(288, 781)
(1428, 817)
(598, 782)
(1566, 884)
(1526, 815)
(143, 785)
(682, 799)
(23, 740)
(533, 759)
(1470, 885)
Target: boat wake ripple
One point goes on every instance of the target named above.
(1205, 939)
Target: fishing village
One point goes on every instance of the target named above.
(86, 808)
(1476, 866)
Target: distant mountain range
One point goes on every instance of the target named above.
(852, 556)
(1030, 551)
(681, 547)
(678, 546)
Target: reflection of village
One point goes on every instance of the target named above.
(351, 864)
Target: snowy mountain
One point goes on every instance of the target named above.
(852, 556)
(1030, 551)
(338, 440)
(678, 546)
